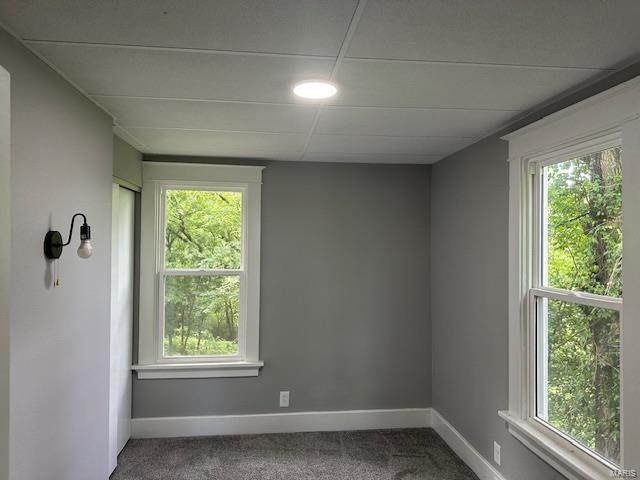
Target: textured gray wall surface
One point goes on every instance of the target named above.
(62, 148)
(127, 162)
(469, 267)
(344, 297)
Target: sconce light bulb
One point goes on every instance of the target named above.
(85, 250)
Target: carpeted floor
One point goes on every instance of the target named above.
(378, 454)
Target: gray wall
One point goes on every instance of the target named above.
(127, 164)
(61, 147)
(469, 268)
(469, 213)
(5, 278)
(344, 302)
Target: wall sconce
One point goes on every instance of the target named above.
(53, 240)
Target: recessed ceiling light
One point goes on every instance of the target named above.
(315, 89)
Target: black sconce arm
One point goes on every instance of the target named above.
(73, 219)
(53, 240)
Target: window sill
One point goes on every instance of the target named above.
(568, 459)
(198, 370)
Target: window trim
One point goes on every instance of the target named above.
(158, 177)
(607, 119)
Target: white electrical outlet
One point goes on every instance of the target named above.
(284, 399)
(496, 452)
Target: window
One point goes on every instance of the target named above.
(201, 278)
(574, 236)
(200, 271)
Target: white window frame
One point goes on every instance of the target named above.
(605, 120)
(158, 177)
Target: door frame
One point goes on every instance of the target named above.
(115, 444)
(5, 270)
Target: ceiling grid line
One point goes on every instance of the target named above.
(265, 132)
(346, 42)
(211, 51)
(471, 64)
(158, 48)
(298, 104)
(418, 80)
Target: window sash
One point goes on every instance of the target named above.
(202, 187)
(538, 348)
(200, 272)
(162, 273)
(581, 298)
(537, 213)
(242, 325)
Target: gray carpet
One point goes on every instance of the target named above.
(377, 454)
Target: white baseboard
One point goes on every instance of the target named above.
(162, 427)
(480, 465)
(279, 423)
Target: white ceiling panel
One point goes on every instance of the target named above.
(410, 121)
(176, 74)
(359, 144)
(220, 144)
(569, 33)
(189, 114)
(417, 84)
(371, 158)
(417, 79)
(282, 26)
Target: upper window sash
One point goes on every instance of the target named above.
(161, 199)
(535, 212)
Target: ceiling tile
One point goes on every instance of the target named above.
(570, 33)
(281, 26)
(415, 84)
(440, 85)
(411, 121)
(359, 144)
(220, 144)
(156, 113)
(164, 73)
(371, 158)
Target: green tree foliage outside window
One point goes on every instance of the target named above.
(203, 232)
(584, 248)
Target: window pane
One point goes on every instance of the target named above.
(201, 315)
(203, 229)
(578, 377)
(583, 221)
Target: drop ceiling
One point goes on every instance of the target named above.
(418, 80)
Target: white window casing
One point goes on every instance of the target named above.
(157, 178)
(608, 119)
